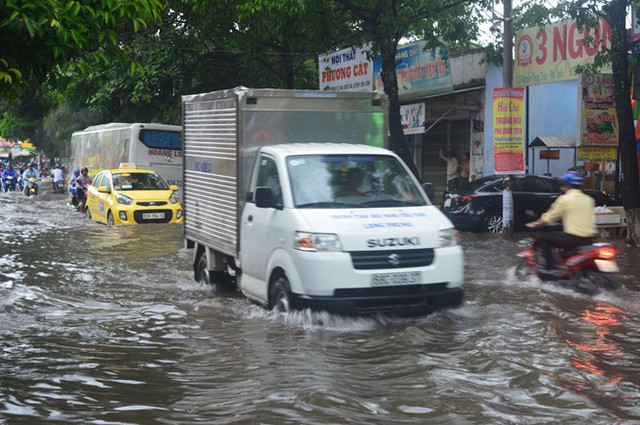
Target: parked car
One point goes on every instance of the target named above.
(477, 205)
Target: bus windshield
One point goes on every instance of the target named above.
(161, 139)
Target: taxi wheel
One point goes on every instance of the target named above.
(87, 212)
(110, 221)
(280, 299)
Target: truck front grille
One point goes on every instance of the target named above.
(396, 259)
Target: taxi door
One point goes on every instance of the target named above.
(97, 200)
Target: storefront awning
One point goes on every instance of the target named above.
(553, 142)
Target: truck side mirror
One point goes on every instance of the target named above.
(265, 198)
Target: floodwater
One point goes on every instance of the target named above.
(105, 325)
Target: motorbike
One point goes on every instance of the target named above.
(9, 183)
(74, 202)
(587, 269)
(58, 187)
(31, 186)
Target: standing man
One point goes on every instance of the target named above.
(464, 168)
(452, 168)
(575, 210)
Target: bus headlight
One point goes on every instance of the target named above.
(314, 242)
(448, 237)
(124, 199)
(174, 198)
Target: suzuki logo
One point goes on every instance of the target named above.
(394, 259)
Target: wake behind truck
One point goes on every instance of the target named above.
(291, 195)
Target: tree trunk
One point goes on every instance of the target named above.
(390, 80)
(616, 15)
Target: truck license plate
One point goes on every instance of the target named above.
(386, 279)
(153, 216)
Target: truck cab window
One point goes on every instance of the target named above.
(268, 176)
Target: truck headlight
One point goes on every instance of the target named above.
(325, 242)
(448, 237)
(174, 198)
(124, 199)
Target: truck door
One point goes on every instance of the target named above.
(259, 234)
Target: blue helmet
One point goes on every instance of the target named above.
(76, 170)
(571, 178)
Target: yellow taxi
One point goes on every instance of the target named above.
(130, 195)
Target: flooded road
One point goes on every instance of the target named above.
(107, 326)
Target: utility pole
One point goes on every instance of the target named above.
(507, 76)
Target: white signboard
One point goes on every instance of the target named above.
(346, 70)
(413, 117)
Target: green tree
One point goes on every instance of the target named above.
(387, 22)
(38, 35)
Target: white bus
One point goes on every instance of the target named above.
(154, 146)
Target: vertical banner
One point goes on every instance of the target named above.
(508, 130)
(598, 118)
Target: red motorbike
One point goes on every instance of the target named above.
(586, 268)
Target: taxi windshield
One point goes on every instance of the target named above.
(138, 181)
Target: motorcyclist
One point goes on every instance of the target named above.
(57, 177)
(82, 182)
(72, 188)
(8, 172)
(575, 210)
(29, 173)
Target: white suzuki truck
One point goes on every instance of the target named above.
(292, 196)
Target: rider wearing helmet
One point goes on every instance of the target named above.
(575, 210)
(72, 188)
(8, 172)
(82, 182)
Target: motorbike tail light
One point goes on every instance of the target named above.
(606, 253)
(465, 199)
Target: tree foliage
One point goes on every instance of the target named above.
(386, 22)
(37, 35)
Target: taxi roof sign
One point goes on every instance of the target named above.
(127, 165)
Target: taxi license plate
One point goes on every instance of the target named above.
(153, 216)
(388, 279)
(607, 266)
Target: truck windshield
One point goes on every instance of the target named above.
(351, 181)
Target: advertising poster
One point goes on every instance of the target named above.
(598, 119)
(590, 153)
(346, 70)
(413, 117)
(551, 53)
(508, 130)
(420, 72)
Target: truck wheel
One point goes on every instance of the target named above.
(493, 222)
(201, 273)
(280, 299)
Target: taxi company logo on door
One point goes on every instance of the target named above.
(384, 242)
